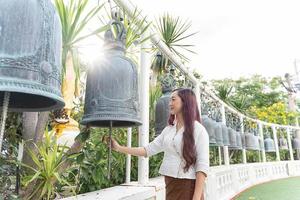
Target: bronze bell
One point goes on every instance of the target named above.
(168, 83)
(30, 55)
(112, 86)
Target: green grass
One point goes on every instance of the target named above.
(284, 189)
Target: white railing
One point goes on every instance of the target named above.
(223, 182)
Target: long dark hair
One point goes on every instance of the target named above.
(190, 113)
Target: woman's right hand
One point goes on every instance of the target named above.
(114, 144)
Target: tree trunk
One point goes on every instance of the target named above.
(29, 125)
(41, 125)
(33, 129)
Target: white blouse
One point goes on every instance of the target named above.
(171, 144)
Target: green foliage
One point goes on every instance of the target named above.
(7, 179)
(91, 164)
(11, 139)
(247, 92)
(89, 172)
(48, 157)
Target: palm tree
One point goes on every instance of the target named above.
(174, 32)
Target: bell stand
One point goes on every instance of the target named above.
(109, 150)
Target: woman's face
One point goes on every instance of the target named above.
(175, 104)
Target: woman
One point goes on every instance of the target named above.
(186, 149)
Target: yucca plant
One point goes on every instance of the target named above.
(174, 32)
(241, 103)
(48, 157)
(224, 91)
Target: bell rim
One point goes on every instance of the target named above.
(26, 87)
(134, 122)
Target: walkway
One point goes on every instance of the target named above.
(284, 189)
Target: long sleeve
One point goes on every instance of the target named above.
(156, 146)
(202, 149)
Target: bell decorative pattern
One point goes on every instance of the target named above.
(30, 55)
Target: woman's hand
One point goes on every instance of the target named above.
(136, 151)
(114, 144)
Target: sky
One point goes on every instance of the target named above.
(237, 37)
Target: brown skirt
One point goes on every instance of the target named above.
(180, 189)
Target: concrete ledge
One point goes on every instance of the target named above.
(118, 192)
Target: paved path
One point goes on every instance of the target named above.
(284, 189)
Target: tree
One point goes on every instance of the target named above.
(247, 92)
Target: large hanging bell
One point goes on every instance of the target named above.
(112, 86)
(30, 55)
